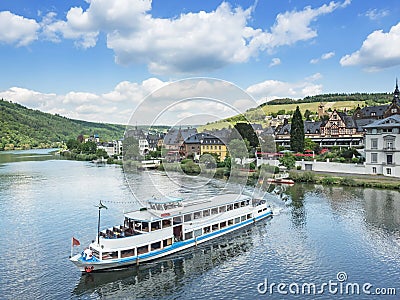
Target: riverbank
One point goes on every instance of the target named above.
(354, 180)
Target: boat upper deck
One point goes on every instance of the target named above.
(169, 207)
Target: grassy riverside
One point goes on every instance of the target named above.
(354, 180)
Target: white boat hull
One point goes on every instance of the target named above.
(95, 265)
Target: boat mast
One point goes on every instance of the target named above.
(100, 206)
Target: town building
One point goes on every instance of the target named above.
(112, 148)
(380, 111)
(202, 143)
(338, 130)
(174, 142)
(382, 146)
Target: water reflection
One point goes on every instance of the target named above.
(27, 155)
(298, 212)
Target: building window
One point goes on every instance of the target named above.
(389, 145)
(374, 143)
(374, 157)
(389, 159)
(388, 171)
(394, 110)
(374, 170)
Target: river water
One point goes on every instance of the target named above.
(328, 236)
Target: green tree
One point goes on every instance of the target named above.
(288, 160)
(210, 160)
(101, 153)
(88, 147)
(247, 132)
(297, 132)
(307, 115)
(238, 149)
(72, 144)
(309, 144)
(130, 148)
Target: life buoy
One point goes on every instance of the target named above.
(89, 269)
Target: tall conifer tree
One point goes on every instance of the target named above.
(297, 132)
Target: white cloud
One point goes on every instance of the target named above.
(275, 62)
(115, 106)
(324, 56)
(17, 30)
(188, 43)
(327, 55)
(379, 51)
(375, 14)
(273, 89)
(147, 101)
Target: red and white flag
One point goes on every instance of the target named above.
(75, 242)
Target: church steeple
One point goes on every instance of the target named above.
(396, 94)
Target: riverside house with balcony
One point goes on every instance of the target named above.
(382, 146)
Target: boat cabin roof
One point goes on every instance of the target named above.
(166, 199)
(188, 207)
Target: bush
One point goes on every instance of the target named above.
(328, 180)
(347, 181)
(308, 177)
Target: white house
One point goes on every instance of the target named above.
(382, 146)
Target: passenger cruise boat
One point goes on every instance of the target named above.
(166, 226)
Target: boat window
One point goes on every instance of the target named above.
(127, 253)
(198, 232)
(178, 220)
(237, 220)
(109, 255)
(236, 205)
(95, 253)
(155, 225)
(197, 215)
(155, 246)
(138, 225)
(188, 235)
(222, 209)
(214, 210)
(243, 218)
(159, 207)
(166, 223)
(206, 229)
(222, 224)
(230, 222)
(229, 207)
(142, 249)
(187, 218)
(248, 216)
(247, 201)
(145, 226)
(167, 242)
(259, 211)
(242, 204)
(214, 227)
(206, 213)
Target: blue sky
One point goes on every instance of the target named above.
(97, 59)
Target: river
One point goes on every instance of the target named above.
(332, 237)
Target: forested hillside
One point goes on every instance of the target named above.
(25, 128)
(340, 102)
(369, 98)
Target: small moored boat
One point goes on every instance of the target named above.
(166, 226)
